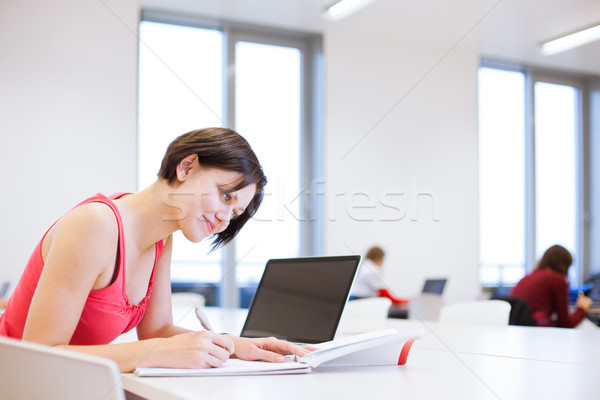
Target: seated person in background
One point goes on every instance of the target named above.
(546, 291)
(3, 303)
(368, 281)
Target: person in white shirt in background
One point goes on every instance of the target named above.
(368, 282)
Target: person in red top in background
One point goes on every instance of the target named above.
(368, 281)
(546, 291)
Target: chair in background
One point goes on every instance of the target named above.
(425, 307)
(482, 312)
(35, 372)
(187, 300)
(520, 311)
(370, 307)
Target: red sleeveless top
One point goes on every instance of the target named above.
(107, 312)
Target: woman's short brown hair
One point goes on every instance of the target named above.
(219, 148)
(556, 258)
(375, 253)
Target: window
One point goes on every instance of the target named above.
(199, 74)
(530, 171)
(556, 168)
(501, 175)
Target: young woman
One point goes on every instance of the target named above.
(104, 267)
(546, 291)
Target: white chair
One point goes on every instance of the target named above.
(33, 371)
(371, 307)
(482, 312)
(425, 307)
(187, 300)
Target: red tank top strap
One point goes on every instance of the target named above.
(122, 273)
(108, 200)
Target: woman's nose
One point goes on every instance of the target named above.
(224, 213)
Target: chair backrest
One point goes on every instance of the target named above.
(483, 312)
(520, 311)
(425, 307)
(369, 307)
(187, 299)
(33, 371)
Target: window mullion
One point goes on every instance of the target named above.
(530, 216)
(229, 291)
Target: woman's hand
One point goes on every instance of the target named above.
(267, 349)
(584, 302)
(202, 349)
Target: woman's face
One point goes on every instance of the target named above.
(206, 199)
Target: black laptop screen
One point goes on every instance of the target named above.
(301, 299)
(434, 286)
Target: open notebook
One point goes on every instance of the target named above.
(385, 347)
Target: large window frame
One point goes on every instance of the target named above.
(583, 84)
(311, 156)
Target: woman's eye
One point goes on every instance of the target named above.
(226, 196)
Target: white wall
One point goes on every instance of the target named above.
(394, 128)
(67, 113)
(68, 130)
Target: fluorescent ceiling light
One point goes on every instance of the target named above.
(343, 8)
(570, 41)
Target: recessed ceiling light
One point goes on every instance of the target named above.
(570, 41)
(343, 8)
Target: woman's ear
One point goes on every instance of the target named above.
(185, 167)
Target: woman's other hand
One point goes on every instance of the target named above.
(584, 302)
(267, 349)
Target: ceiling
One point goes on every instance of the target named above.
(505, 30)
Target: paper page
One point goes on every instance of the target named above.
(231, 367)
(354, 339)
(353, 348)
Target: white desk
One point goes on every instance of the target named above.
(535, 343)
(450, 361)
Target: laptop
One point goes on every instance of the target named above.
(301, 299)
(4, 288)
(434, 286)
(594, 293)
(33, 371)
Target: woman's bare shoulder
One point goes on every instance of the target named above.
(92, 226)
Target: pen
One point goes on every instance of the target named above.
(202, 318)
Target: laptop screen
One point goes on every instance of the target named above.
(301, 299)
(434, 286)
(4, 288)
(594, 293)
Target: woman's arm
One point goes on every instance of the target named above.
(564, 319)
(79, 255)
(158, 318)
(191, 350)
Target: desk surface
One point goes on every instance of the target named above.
(430, 374)
(535, 343)
(450, 361)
